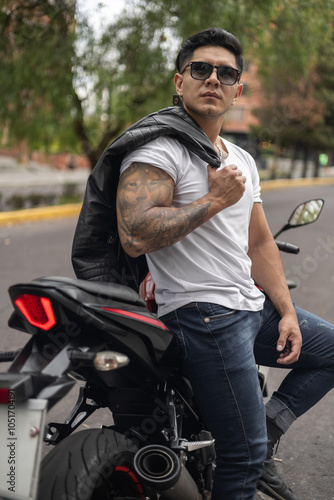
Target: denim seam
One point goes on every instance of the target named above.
(182, 336)
(235, 402)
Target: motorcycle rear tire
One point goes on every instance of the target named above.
(94, 464)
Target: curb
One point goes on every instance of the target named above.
(39, 213)
(293, 183)
(73, 209)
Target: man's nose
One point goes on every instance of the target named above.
(214, 76)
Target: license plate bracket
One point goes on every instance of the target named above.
(21, 438)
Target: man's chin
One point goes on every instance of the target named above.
(209, 110)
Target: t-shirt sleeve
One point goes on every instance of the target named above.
(256, 184)
(163, 152)
(255, 178)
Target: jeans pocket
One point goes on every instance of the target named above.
(218, 312)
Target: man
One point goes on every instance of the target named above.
(205, 237)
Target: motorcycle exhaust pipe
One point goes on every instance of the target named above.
(161, 469)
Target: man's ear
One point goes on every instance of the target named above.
(178, 82)
(238, 93)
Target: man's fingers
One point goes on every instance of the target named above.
(280, 345)
(290, 355)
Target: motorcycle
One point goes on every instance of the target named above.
(105, 336)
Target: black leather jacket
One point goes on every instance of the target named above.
(96, 252)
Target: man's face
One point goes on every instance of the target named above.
(208, 98)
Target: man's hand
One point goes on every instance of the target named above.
(290, 339)
(226, 185)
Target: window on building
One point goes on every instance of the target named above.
(236, 114)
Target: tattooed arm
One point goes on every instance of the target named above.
(146, 220)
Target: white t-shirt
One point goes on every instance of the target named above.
(211, 263)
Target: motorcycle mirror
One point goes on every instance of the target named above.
(305, 213)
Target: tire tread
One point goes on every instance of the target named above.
(74, 462)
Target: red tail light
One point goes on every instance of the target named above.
(37, 310)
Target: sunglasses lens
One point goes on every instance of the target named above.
(227, 75)
(201, 70)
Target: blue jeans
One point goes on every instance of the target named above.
(221, 348)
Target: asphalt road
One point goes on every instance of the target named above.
(307, 449)
(43, 248)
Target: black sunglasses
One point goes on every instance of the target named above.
(203, 70)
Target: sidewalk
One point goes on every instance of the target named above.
(14, 175)
(26, 186)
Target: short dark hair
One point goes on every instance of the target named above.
(215, 37)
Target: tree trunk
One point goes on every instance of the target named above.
(306, 153)
(274, 166)
(316, 165)
(93, 154)
(293, 163)
(79, 127)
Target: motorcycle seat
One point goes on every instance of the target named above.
(113, 291)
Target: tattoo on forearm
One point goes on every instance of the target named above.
(145, 194)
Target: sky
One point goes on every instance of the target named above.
(100, 11)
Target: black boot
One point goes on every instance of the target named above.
(270, 482)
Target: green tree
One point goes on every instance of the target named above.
(323, 138)
(63, 85)
(288, 55)
(47, 54)
(36, 47)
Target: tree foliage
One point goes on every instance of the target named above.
(288, 58)
(36, 47)
(65, 85)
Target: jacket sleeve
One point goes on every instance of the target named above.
(96, 251)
